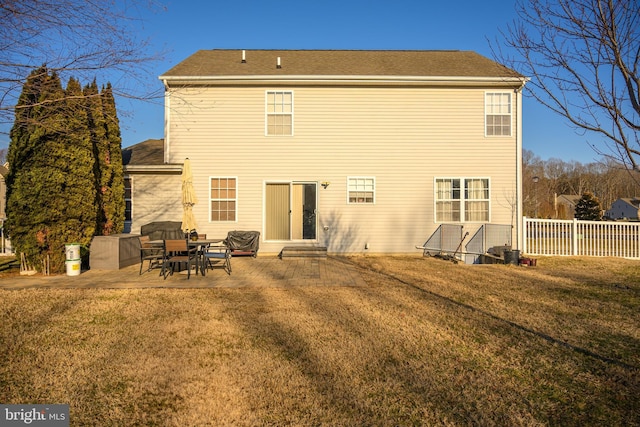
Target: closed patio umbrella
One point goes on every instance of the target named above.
(188, 198)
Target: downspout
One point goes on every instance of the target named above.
(167, 119)
(519, 212)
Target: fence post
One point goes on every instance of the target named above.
(574, 237)
(525, 233)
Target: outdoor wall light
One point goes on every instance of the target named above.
(325, 184)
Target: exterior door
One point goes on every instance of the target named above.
(291, 211)
(303, 211)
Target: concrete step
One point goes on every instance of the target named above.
(304, 251)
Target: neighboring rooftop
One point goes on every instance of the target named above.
(428, 63)
(149, 152)
(571, 199)
(633, 201)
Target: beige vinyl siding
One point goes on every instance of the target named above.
(404, 137)
(155, 198)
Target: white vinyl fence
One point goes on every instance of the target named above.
(581, 238)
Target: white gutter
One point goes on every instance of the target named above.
(167, 168)
(519, 211)
(334, 79)
(346, 78)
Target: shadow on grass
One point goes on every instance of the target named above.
(538, 334)
(370, 358)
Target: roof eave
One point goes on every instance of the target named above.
(166, 168)
(297, 79)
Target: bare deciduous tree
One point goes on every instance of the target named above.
(583, 57)
(84, 39)
(544, 180)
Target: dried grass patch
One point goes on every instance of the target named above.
(427, 342)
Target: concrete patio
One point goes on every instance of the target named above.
(262, 271)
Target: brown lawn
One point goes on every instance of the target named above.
(426, 342)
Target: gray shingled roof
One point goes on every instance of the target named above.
(149, 152)
(432, 63)
(632, 201)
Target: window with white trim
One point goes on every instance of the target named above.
(497, 111)
(279, 113)
(361, 189)
(223, 198)
(462, 199)
(128, 204)
(128, 199)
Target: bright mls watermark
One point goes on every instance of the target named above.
(34, 415)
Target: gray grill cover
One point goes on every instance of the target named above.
(245, 241)
(161, 230)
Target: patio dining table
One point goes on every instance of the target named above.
(199, 244)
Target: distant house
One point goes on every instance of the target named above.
(566, 206)
(353, 150)
(624, 208)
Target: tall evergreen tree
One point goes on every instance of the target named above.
(97, 128)
(34, 177)
(76, 196)
(66, 179)
(21, 143)
(52, 190)
(112, 171)
(588, 208)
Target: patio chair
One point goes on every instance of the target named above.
(178, 252)
(148, 252)
(216, 253)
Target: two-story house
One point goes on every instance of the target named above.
(358, 151)
(624, 208)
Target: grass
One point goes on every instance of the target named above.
(426, 342)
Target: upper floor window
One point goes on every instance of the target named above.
(361, 189)
(462, 200)
(279, 113)
(224, 199)
(497, 112)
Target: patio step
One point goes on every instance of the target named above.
(303, 251)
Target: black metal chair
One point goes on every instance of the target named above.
(152, 253)
(176, 253)
(215, 253)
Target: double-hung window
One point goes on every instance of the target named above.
(224, 198)
(462, 199)
(497, 112)
(279, 113)
(361, 189)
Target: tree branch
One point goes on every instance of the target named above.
(582, 57)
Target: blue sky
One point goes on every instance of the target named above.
(187, 26)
